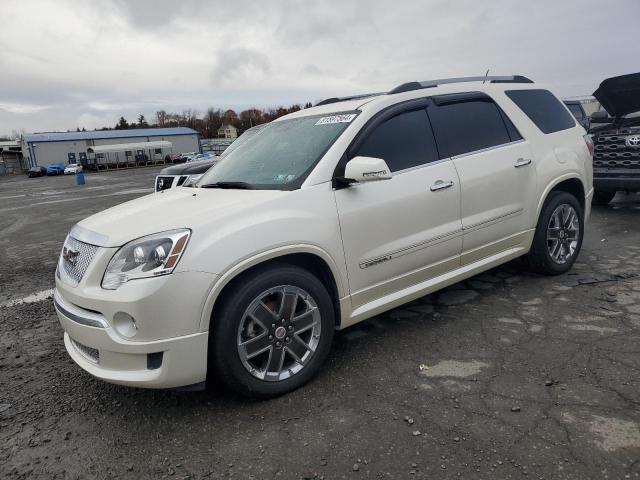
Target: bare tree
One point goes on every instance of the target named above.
(18, 134)
(161, 118)
(212, 122)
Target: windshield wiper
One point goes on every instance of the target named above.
(238, 185)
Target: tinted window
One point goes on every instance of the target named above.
(403, 141)
(543, 109)
(575, 110)
(468, 126)
(514, 134)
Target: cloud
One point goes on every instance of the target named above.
(22, 108)
(239, 65)
(75, 63)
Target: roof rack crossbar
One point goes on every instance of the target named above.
(327, 101)
(407, 87)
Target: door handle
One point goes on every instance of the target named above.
(440, 185)
(522, 162)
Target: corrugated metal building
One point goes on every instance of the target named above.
(72, 147)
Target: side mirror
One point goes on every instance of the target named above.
(366, 169)
(600, 117)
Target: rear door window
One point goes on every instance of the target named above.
(403, 141)
(543, 108)
(469, 126)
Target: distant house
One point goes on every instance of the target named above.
(228, 131)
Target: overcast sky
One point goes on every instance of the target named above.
(67, 64)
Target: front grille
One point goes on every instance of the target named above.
(91, 354)
(164, 182)
(611, 149)
(182, 179)
(75, 259)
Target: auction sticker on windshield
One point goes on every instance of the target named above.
(337, 119)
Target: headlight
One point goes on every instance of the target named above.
(149, 256)
(191, 180)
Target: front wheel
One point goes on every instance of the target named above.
(272, 332)
(558, 237)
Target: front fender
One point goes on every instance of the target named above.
(257, 258)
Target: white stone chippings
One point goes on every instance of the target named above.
(34, 297)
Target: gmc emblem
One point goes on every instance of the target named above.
(70, 256)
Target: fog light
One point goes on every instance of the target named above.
(125, 324)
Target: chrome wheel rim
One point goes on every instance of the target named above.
(563, 232)
(279, 333)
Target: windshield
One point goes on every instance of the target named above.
(278, 155)
(242, 139)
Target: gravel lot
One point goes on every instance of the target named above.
(505, 375)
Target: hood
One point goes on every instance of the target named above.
(168, 210)
(620, 95)
(189, 168)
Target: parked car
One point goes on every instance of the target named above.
(174, 158)
(329, 216)
(37, 171)
(55, 169)
(616, 138)
(187, 174)
(72, 169)
(577, 110)
(201, 156)
(188, 156)
(182, 175)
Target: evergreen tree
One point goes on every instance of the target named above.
(122, 124)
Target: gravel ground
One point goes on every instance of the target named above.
(506, 375)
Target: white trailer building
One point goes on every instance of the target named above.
(152, 144)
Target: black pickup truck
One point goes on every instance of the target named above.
(616, 156)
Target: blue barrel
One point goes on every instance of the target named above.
(79, 178)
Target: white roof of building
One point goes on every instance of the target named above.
(122, 147)
(103, 134)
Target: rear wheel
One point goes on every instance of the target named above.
(559, 233)
(272, 332)
(602, 198)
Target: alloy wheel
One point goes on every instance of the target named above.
(563, 233)
(279, 333)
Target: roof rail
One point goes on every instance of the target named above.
(327, 101)
(407, 87)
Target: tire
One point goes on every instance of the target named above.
(542, 256)
(602, 198)
(235, 335)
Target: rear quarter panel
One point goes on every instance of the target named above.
(558, 156)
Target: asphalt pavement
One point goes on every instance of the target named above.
(506, 375)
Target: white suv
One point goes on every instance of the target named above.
(326, 217)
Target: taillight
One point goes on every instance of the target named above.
(589, 141)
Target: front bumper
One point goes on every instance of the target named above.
(167, 348)
(619, 183)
